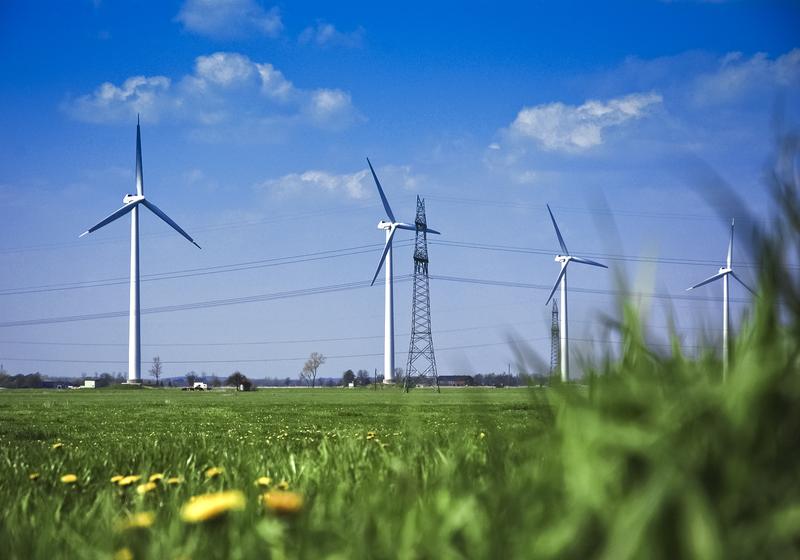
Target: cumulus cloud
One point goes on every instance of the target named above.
(357, 185)
(222, 88)
(228, 19)
(561, 127)
(353, 185)
(137, 94)
(325, 34)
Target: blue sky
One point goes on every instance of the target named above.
(257, 117)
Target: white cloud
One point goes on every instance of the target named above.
(137, 94)
(273, 83)
(356, 185)
(561, 127)
(738, 76)
(227, 19)
(224, 88)
(325, 34)
(224, 69)
(328, 106)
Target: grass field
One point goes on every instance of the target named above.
(381, 473)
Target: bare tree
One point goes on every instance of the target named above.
(155, 369)
(309, 373)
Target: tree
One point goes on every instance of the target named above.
(309, 373)
(348, 377)
(363, 377)
(155, 369)
(191, 377)
(240, 381)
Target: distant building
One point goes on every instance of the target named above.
(455, 381)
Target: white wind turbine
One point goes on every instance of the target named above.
(131, 204)
(391, 226)
(724, 273)
(564, 259)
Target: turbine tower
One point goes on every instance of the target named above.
(421, 359)
(564, 259)
(131, 204)
(554, 339)
(390, 227)
(724, 273)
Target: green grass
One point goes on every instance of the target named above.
(423, 486)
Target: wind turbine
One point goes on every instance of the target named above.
(131, 204)
(724, 273)
(390, 227)
(564, 259)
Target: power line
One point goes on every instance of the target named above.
(607, 256)
(334, 356)
(339, 288)
(251, 343)
(204, 271)
(331, 254)
(509, 284)
(215, 227)
(258, 360)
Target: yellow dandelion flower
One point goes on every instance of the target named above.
(141, 520)
(69, 479)
(370, 435)
(482, 435)
(283, 485)
(116, 478)
(263, 481)
(283, 502)
(157, 477)
(57, 445)
(213, 472)
(210, 506)
(130, 479)
(123, 554)
(143, 489)
(174, 480)
(33, 476)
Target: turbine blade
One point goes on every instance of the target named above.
(111, 217)
(139, 178)
(742, 283)
(730, 248)
(383, 256)
(587, 261)
(429, 230)
(558, 232)
(155, 210)
(558, 281)
(380, 192)
(717, 276)
(409, 227)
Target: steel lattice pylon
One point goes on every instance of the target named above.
(421, 364)
(555, 345)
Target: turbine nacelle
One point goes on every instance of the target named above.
(132, 198)
(563, 259)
